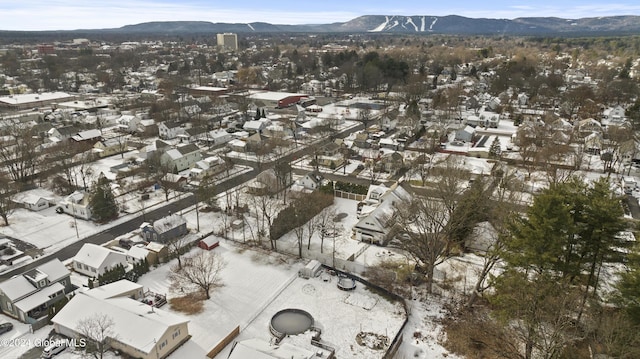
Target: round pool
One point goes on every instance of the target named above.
(346, 283)
(290, 322)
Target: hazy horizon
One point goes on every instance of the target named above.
(37, 15)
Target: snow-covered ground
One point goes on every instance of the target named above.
(250, 280)
(51, 231)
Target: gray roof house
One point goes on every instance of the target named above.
(28, 296)
(165, 229)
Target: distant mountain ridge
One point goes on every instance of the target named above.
(417, 24)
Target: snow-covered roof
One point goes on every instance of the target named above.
(16, 287)
(33, 97)
(219, 134)
(237, 143)
(388, 141)
(260, 349)
(87, 135)
(168, 223)
(134, 323)
(38, 298)
(174, 154)
(255, 125)
(155, 246)
(19, 286)
(382, 215)
(209, 88)
(211, 240)
(115, 289)
(271, 95)
(54, 269)
(125, 119)
(97, 256)
(138, 252)
(33, 196)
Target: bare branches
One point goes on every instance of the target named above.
(202, 271)
(423, 232)
(99, 330)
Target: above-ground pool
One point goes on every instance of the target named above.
(346, 283)
(290, 322)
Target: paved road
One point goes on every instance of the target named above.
(155, 214)
(128, 226)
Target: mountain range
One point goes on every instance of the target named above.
(451, 24)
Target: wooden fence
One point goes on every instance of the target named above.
(224, 342)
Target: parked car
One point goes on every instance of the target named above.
(54, 348)
(5, 327)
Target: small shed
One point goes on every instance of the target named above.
(209, 243)
(311, 270)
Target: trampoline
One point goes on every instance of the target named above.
(290, 322)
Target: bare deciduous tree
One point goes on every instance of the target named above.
(98, 330)
(177, 247)
(7, 191)
(20, 154)
(324, 221)
(423, 232)
(202, 271)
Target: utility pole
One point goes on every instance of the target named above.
(75, 220)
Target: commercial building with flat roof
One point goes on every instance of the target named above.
(26, 101)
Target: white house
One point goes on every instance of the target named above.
(614, 115)
(93, 260)
(312, 181)
(138, 330)
(389, 121)
(169, 130)
(209, 166)
(34, 200)
(181, 157)
(376, 227)
(76, 204)
(128, 123)
(256, 125)
(218, 137)
(138, 253)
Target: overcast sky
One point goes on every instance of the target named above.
(97, 14)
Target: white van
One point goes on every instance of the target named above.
(54, 348)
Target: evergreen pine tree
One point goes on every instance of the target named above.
(494, 150)
(103, 201)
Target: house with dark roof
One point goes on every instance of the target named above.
(181, 157)
(28, 296)
(169, 129)
(165, 229)
(91, 136)
(63, 133)
(312, 180)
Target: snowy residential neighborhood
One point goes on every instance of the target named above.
(347, 196)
